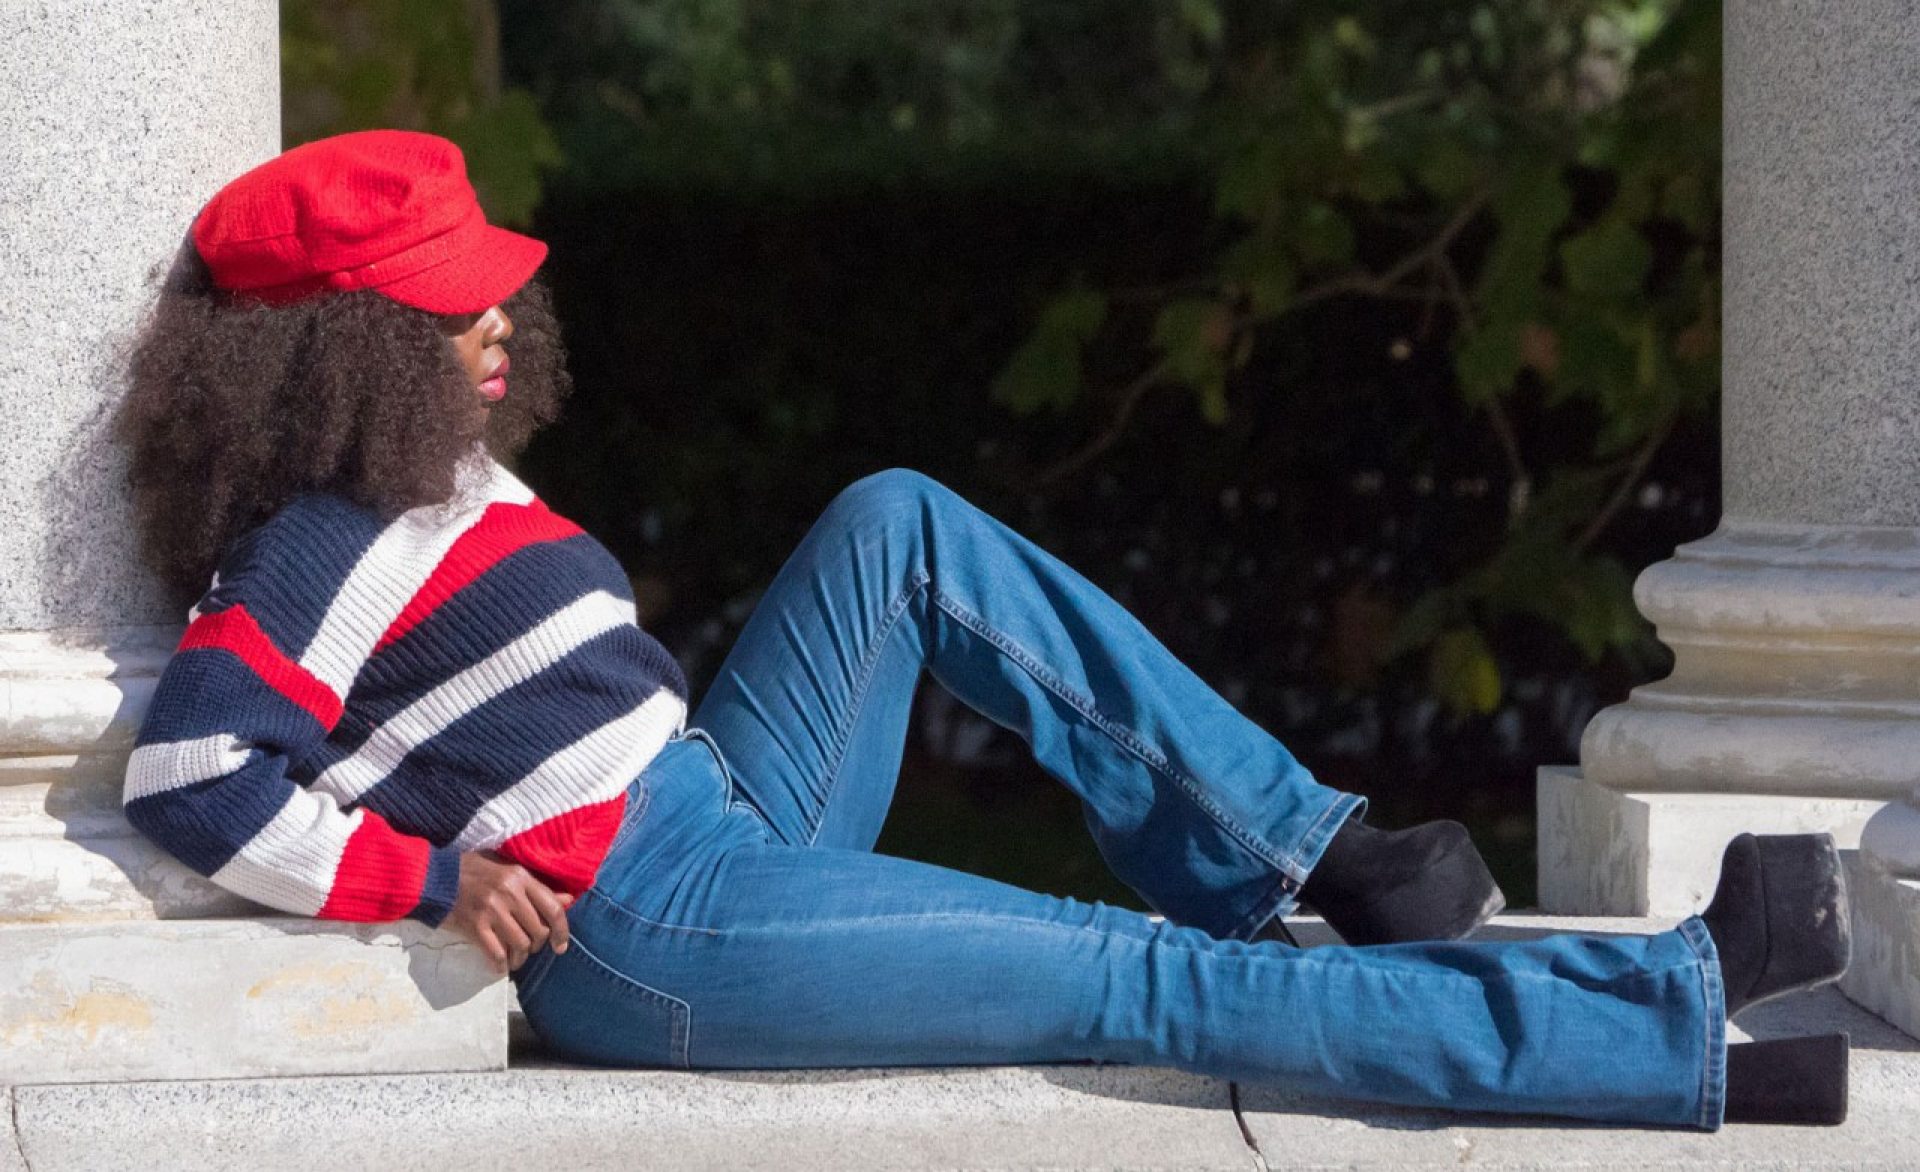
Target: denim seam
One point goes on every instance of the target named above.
(525, 984)
(869, 659)
(1712, 1105)
(1284, 895)
(1122, 736)
(1294, 956)
(680, 1039)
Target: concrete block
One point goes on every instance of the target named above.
(1066, 1116)
(1885, 973)
(232, 998)
(67, 853)
(1607, 853)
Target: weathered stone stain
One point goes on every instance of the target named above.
(337, 998)
(328, 976)
(105, 1007)
(347, 1014)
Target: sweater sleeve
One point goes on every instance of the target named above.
(208, 780)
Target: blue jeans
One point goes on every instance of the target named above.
(742, 919)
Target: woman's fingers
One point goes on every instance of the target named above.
(490, 944)
(506, 916)
(527, 911)
(553, 913)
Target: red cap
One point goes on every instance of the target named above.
(387, 210)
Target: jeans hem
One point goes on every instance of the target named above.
(1713, 1074)
(1284, 895)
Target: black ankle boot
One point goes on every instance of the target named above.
(1788, 1080)
(1425, 882)
(1779, 917)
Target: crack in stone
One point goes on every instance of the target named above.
(1246, 1133)
(13, 1126)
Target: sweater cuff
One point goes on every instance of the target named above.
(443, 883)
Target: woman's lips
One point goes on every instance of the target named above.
(494, 386)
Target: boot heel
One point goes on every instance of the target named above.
(1788, 1080)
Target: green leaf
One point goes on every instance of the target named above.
(1044, 373)
(1447, 168)
(1212, 394)
(1487, 361)
(1250, 182)
(1600, 614)
(1531, 206)
(1610, 259)
(1595, 357)
(1192, 334)
(1262, 264)
(1463, 674)
(1324, 236)
(1422, 622)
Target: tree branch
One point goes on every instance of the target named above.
(1522, 490)
(1622, 491)
(1130, 397)
(1384, 284)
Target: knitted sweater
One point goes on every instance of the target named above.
(358, 701)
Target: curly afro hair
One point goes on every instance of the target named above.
(234, 408)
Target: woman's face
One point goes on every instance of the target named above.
(476, 338)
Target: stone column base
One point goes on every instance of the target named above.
(155, 999)
(117, 962)
(1607, 853)
(1885, 974)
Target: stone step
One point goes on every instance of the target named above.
(262, 996)
(546, 1113)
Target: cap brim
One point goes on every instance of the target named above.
(474, 281)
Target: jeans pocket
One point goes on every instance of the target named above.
(639, 797)
(587, 1011)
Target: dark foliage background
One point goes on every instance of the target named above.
(1364, 351)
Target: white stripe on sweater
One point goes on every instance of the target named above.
(193, 612)
(542, 646)
(391, 572)
(291, 862)
(595, 768)
(155, 769)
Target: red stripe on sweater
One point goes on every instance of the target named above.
(235, 630)
(565, 851)
(502, 529)
(381, 874)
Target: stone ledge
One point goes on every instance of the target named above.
(264, 996)
(545, 1113)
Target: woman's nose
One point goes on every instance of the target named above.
(500, 328)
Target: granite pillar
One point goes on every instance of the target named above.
(119, 118)
(1796, 625)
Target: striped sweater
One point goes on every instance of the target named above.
(357, 701)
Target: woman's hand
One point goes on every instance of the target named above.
(505, 910)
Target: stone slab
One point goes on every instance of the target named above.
(276, 995)
(577, 1118)
(1607, 853)
(68, 854)
(1885, 973)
